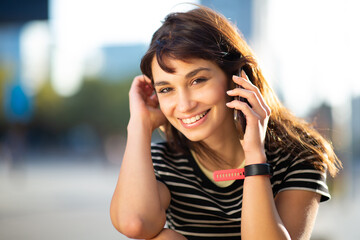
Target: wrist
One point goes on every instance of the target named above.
(139, 126)
(257, 158)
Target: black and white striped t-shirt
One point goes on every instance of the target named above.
(200, 209)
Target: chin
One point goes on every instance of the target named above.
(194, 137)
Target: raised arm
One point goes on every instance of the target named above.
(292, 214)
(139, 201)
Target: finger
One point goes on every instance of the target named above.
(257, 91)
(146, 90)
(244, 82)
(252, 99)
(142, 85)
(250, 114)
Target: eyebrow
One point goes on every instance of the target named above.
(188, 75)
(194, 72)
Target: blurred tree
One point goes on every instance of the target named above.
(100, 104)
(3, 76)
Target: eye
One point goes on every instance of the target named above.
(165, 90)
(199, 80)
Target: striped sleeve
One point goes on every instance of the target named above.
(302, 175)
(157, 151)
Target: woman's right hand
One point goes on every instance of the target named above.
(144, 105)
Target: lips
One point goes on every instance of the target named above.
(194, 118)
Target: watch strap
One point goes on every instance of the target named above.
(230, 174)
(258, 169)
(241, 173)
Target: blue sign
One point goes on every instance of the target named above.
(18, 106)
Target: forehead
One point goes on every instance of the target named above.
(181, 67)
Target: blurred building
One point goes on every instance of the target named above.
(120, 61)
(322, 118)
(22, 11)
(238, 12)
(355, 130)
(17, 104)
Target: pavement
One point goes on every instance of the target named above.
(48, 197)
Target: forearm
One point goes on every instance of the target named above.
(136, 198)
(167, 234)
(260, 219)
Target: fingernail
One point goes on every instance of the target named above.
(229, 91)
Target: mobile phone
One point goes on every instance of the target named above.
(239, 117)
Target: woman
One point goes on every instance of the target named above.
(191, 64)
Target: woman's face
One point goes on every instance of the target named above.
(193, 98)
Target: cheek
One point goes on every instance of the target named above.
(165, 106)
(216, 95)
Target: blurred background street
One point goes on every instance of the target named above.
(65, 71)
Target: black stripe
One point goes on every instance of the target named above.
(193, 193)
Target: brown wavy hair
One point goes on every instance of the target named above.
(205, 34)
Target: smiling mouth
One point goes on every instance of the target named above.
(195, 118)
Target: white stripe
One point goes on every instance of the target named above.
(178, 176)
(301, 153)
(238, 198)
(307, 189)
(173, 167)
(280, 171)
(205, 190)
(205, 199)
(308, 180)
(197, 223)
(281, 159)
(209, 234)
(169, 157)
(306, 171)
(276, 183)
(275, 152)
(205, 207)
(204, 214)
(196, 206)
(221, 193)
(298, 160)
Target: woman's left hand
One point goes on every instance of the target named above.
(257, 117)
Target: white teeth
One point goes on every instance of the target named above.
(193, 119)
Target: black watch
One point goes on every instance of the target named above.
(258, 169)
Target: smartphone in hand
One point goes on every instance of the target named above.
(239, 117)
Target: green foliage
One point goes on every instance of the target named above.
(103, 105)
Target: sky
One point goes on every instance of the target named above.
(81, 27)
(330, 40)
(308, 49)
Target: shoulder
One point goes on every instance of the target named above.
(295, 155)
(170, 165)
(159, 147)
(163, 151)
(298, 168)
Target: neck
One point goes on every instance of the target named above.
(225, 144)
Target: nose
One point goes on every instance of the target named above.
(185, 102)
